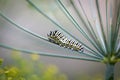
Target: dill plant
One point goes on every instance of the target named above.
(101, 29)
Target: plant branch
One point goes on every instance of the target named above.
(101, 24)
(78, 26)
(34, 34)
(48, 54)
(21, 27)
(59, 26)
(90, 29)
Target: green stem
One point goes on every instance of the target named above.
(109, 71)
(49, 54)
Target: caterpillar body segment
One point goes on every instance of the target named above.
(61, 40)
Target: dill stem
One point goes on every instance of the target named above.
(109, 75)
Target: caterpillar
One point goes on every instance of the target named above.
(61, 40)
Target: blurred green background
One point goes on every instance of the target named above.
(29, 69)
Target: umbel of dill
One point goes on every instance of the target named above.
(101, 31)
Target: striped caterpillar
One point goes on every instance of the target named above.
(61, 40)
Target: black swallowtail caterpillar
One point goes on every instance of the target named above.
(61, 40)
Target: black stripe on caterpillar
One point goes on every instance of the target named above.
(61, 40)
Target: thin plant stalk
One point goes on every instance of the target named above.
(41, 37)
(73, 21)
(48, 54)
(101, 24)
(59, 26)
(91, 30)
(78, 26)
(21, 27)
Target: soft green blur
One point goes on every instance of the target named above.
(29, 69)
(33, 69)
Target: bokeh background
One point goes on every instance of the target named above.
(22, 13)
